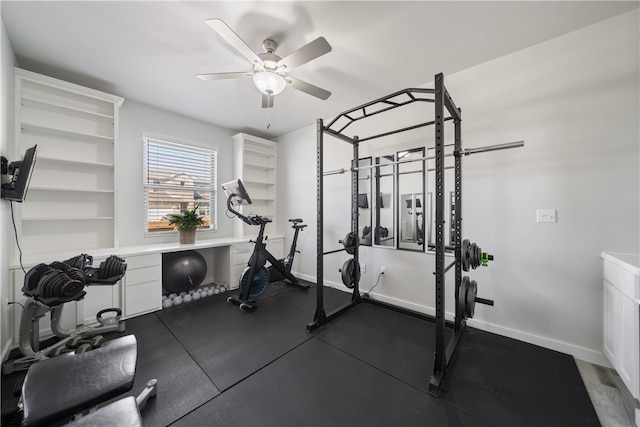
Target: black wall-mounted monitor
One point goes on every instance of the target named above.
(236, 191)
(21, 171)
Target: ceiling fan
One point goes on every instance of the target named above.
(270, 72)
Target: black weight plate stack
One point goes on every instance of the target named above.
(349, 242)
(465, 254)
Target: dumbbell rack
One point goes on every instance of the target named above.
(47, 288)
(443, 103)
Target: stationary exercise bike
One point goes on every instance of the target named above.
(256, 277)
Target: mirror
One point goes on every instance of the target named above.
(383, 233)
(411, 221)
(364, 201)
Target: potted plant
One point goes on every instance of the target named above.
(187, 222)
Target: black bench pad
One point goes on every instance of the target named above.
(62, 386)
(121, 413)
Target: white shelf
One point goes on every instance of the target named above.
(42, 130)
(75, 162)
(77, 218)
(259, 153)
(258, 166)
(257, 183)
(70, 190)
(50, 103)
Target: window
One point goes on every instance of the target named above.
(177, 178)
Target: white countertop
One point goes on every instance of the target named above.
(125, 251)
(630, 262)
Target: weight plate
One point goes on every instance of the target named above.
(259, 282)
(462, 297)
(350, 273)
(349, 242)
(478, 256)
(465, 255)
(472, 292)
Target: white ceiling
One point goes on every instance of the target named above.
(150, 52)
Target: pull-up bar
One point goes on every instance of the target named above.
(466, 152)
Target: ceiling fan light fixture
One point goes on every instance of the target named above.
(269, 82)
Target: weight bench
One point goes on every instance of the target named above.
(72, 385)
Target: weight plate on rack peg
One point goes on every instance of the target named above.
(465, 255)
(470, 304)
(462, 297)
(350, 273)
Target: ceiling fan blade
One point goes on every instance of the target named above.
(234, 40)
(221, 76)
(267, 101)
(308, 88)
(306, 53)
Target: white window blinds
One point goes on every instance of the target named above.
(177, 178)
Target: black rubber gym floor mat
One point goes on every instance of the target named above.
(306, 300)
(509, 382)
(318, 385)
(499, 380)
(398, 344)
(182, 386)
(230, 344)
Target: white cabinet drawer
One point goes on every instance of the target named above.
(239, 248)
(139, 261)
(143, 275)
(240, 259)
(625, 281)
(143, 298)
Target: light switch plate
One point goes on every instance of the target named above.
(546, 215)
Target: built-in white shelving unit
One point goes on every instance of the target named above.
(255, 165)
(71, 199)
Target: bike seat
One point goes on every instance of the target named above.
(295, 220)
(258, 220)
(299, 226)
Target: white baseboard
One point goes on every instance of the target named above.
(586, 354)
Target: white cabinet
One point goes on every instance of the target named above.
(240, 254)
(621, 340)
(142, 290)
(70, 202)
(255, 165)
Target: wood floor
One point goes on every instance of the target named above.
(610, 397)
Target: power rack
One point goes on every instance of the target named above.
(444, 110)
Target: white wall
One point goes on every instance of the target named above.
(574, 100)
(6, 149)
(138, 120)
